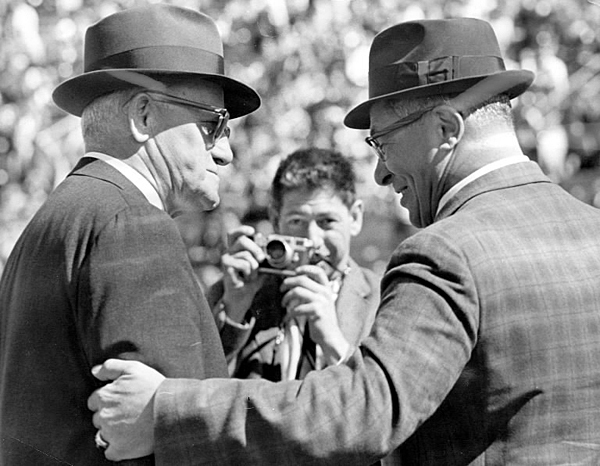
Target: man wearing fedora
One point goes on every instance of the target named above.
(101, 271)
(486, 344)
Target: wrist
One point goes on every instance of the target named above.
(336, 352)
(226, 317)
(235, 310)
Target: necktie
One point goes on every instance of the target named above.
(308, 356)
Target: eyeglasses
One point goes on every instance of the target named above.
(212, 133)
(401, 123)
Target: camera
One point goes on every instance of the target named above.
(285, 253)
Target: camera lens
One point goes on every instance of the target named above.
(278, 254)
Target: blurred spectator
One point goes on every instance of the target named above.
(302, 56)
(548, 94)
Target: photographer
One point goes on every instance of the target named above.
(279, 321)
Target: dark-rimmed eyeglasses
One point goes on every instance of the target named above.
(401, 123)
(212, 130)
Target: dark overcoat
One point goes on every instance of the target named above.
(99, 272)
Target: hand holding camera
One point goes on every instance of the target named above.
(306, 290)
(309, 296)
(240, 265)
(305, 286)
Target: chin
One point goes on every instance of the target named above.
(199, 204)
(213, 205)
(415, 219)
(339, 264)
(207, 204)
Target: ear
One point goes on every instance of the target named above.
(452, 126)
(356, 211)
(138, 112)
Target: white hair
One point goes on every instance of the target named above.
(495, 110)
(104, 118)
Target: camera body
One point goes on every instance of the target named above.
(285, 253)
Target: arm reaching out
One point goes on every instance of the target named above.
(123, 409)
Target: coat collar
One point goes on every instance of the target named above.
(95, 168)
(509, 176)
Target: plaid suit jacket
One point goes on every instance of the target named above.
(485, 351)
(99, 272)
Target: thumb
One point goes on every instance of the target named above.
(111, 369)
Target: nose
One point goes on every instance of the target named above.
(222, 153)
(315, 234)
(382, 175)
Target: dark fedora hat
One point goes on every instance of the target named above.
(430, 57)
(154, 40)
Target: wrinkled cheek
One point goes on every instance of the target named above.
(411, 203)
(191, 174)
(423, 210)
(195, 175)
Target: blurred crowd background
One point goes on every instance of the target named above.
(308, 60)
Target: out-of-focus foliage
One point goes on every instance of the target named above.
(308, 60)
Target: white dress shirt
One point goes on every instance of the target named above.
(139, 180)
(490, 167)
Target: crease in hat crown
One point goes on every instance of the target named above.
(432, 57)
(154, 40)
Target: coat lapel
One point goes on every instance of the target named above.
(351, 307)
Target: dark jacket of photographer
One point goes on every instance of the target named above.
(250, 347)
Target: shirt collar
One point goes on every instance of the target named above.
(148, 189)
(490, 167)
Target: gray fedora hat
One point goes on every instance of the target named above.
(154, 40)
(430, 57)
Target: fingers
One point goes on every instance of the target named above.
(122, 409)
(314, 300)
(111, 455)
(309, 277)
(111, 451)
(93, 404)
(314, 272)
(243, 256)
(234, 235)
(111, 369)
(242, 263)
(101, 442)
(306, 310)
(246, 244)
(296, 296)
(95, 417)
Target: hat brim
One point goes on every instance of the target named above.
(74, 94)
(510, 82)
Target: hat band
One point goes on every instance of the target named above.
(163, 58)
(402, 76)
